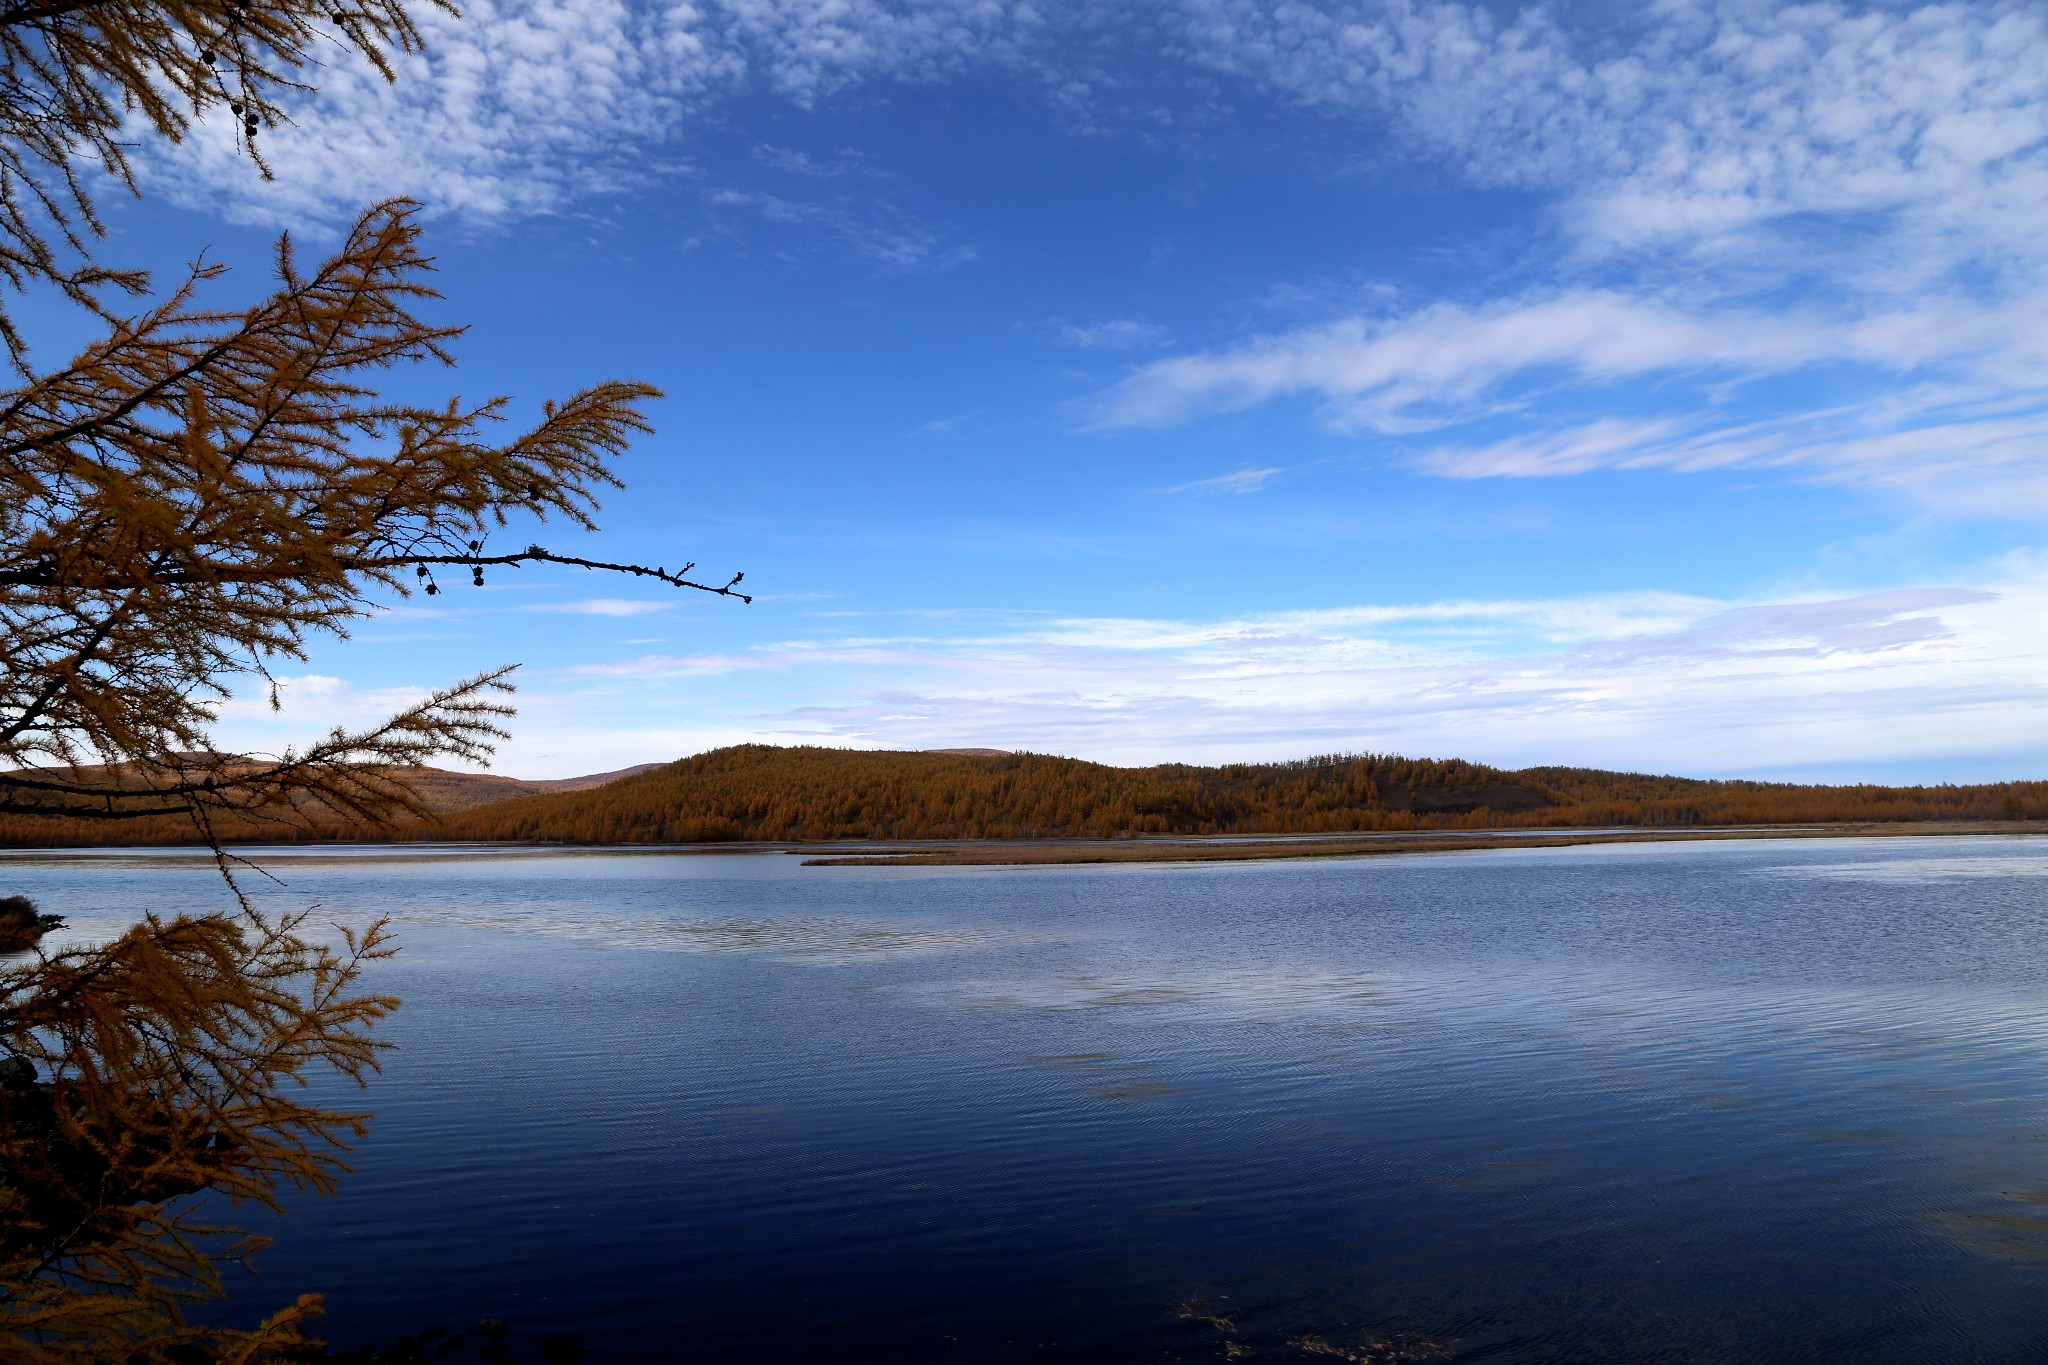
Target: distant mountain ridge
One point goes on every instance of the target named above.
(445, 792)
(448, 792)
(768, 794)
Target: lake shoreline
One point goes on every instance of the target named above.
(1245, 848)
(1154, 849)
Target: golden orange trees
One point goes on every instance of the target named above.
(202, 491)
(194, 496)
(78, 76)
(135, 1075)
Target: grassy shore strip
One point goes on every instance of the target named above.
(1252, 848)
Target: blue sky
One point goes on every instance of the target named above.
(1650, 386)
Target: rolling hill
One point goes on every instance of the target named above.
(755, 792)
(768, 794)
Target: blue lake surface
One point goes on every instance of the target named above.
(1743, 1101)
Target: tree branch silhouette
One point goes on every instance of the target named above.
(78, 76)
(196, 495)
(203, 491)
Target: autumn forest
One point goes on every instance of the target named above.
(768, 794)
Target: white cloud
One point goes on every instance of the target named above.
(1407, 373)
(678, 666)
(1690, 121)
(808, 48)
(1948, 401)
(309, 705)
(1938, 671)
(1640, 681)
(520, 107)
(1973, 458)
(1708, 160)
(1950, 674)
(1607, 443)
(1114, 334)
(1237, 481)
(605, 606)
(896, 246)
(531, 106)
(1889, 166)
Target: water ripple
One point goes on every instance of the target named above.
(1732, 1102)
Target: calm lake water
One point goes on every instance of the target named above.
(1747, 1101)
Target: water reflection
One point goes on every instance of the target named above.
(812, 937)
(1927, 869)
(1246, 993)
(1688, 1103)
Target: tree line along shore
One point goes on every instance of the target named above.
(767, 794)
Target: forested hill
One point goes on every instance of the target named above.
(755, 792)
(758, 792)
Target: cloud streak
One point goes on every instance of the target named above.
(1237, 481)
(1948, 402)
(1429, 367)
(614, 607)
